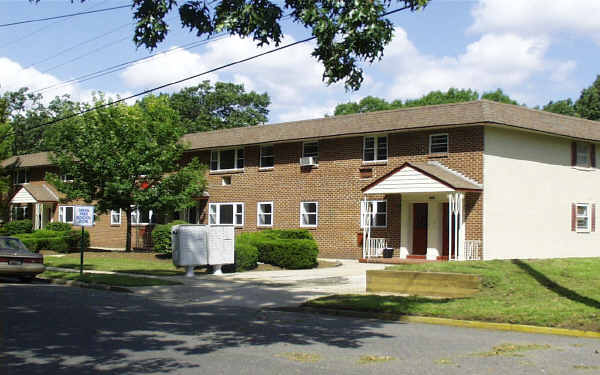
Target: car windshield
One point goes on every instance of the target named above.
(13, 244)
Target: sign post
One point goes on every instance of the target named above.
(84, 217)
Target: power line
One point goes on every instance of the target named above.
(121, 66)
(237, 62)
(63, 51)
(65, 15)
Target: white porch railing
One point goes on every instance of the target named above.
(374, 247)
(472, 250)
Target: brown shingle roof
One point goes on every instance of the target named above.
(42, 191)
(477, 112)
(29, 160)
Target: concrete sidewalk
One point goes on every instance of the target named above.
(264, 288)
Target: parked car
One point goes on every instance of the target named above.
(17, 261)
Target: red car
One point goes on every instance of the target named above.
(17, 261)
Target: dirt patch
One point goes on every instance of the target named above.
(511, 350)
(366, 359)
(300, 357)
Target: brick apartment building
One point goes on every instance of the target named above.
(477, 180)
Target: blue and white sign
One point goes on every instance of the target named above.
(84, 216)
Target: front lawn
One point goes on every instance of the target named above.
(138, 263)
(555, 293)
(108, 279)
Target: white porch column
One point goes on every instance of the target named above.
(433, 230)
(456, 212)
(405, 229)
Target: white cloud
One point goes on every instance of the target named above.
(538, 17)
(13, 77)
(495, 60)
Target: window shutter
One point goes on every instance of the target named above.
(573, 217)
(593, 226)
(593, 155)
(573, 153)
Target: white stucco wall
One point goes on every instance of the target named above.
(529, 186)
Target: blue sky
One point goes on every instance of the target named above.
(535, 50)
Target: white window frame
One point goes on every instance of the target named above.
(376, 148)
(302, 212)
(259, 213)
(62, 214)
(272, 156)
(214, 219)
(363, 213)
(236, 159)
(65, 178)
(312, 154)
(439, 135)
(587, 216)
(136, 211)
(115, 212)
(20, 172)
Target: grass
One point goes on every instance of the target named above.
(561, 293)
(511, 350)
(108, 279)
(137, 263)
(366, 359)
(300, 357)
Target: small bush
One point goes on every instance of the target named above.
(288, 234)
(53, 240)
(246, 255)
(18, 227)
(291, 254)
(161, 237)
(58, 226)
(73, 238)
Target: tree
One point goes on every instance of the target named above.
(498, 96)
(346, 32)
(370, 103)
(6, 144)
(226, 105)
(563, 107)
(439, 97)
(125, 157)
(588, 104)
(27, 114)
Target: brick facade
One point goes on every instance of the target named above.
(336, 184)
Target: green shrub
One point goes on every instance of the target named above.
(161, 237)
(73, 239)
(52, 240)
(58, 226)
(246, 255)
(18, 227)
(288, 234)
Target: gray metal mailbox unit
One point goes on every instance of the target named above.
(201, 245)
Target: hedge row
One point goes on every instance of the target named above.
(60, 241)
(16, 227)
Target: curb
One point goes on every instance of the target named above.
(81, 284)
(445, 321)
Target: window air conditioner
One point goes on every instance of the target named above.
(307, 161)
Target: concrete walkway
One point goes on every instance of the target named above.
(260, 288)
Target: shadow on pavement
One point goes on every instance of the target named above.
(47, 329)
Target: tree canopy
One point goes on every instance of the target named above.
(347, 33)
(453, 95)
(588, 104)
(563, 107)
(121, 157)
(222, 106)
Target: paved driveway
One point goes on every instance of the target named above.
(265, 288)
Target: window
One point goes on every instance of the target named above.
(309, 212)
(66, 178)
(438, 144)
(375, 148)
(227, 159)
(266, 156)
(19, 212)
(115, 217)
(583, 155)
(582, 216)
(264, 217)
(141, 216)
(311, 149)
(192, 215)
(65, 214)
(21, 176)
(226, 214)
(378, 210)
(226, 180)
